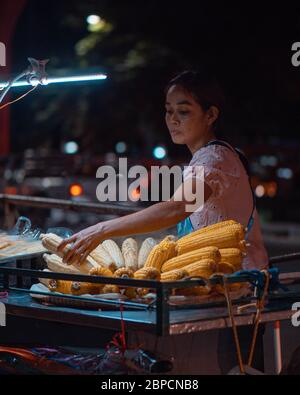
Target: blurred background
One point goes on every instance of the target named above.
(53, 141)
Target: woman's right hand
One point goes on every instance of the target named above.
(84, 242)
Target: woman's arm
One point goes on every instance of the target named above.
(158, 216)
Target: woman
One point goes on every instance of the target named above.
(193, 110)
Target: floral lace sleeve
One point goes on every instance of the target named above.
(222, 169)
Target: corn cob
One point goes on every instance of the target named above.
(45, 281)
(113, 249)
(204, 268)
(192, 256)
(142, 291)
(130, 253)
(101, 271)
(199, 290)
(74, 288)
(147, 273)
(124, 272)
(225, 267)
(103, 258)
(163, 251)
(213, 227)
(234, 256)
(174, 275)
(51, 241)
(146, 247)
(231, 288)
(110, 289)
(130, 292)
(55, 264)
(226, 237)
(79, 288)
(62, 286)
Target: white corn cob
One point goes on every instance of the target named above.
(146, 247)
(130, 253)
(113, 249)
(55, 264)
(51, 241)
(45, 281)
(103, 258)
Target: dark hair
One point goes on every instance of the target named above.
(204, 87)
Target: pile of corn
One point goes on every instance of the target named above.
(218, 248)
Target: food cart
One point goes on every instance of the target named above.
(92, 322)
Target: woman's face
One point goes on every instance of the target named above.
(187, 122)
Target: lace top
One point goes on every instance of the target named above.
(231, 198)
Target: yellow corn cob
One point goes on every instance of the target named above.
(231, 288)
(146, 247)
(204, 268)
(51, 241)
(101, 271)
(209, 228)
(74, 288)
(163, 251)
(103, 258)
(225, 267)
(142, 291)
(110, 289)
(55, 264)
(113, 249)
(194, 291)
(124, 272)
(226, 237)
(147, 273)
(130, 253)
(62, 286)
(130, 292)
(45, 281)
(192, 256)
(174, 275)
(234, 256)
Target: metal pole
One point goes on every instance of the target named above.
(277, 347)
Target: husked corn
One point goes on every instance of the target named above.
(51, 242)
(174, 275)
(192, 256)
(199, 290)
(234, 256)
(124, 272)
(74, 288)
(146, 247)
(55, 264)
(225, 237)
(113, 249)
(110, 289)
(45, 281)
(204, 268)
(163, 251)
(103, 258)
(101, 271)
(147, 273)
(225, 267)
(218, 225)
(130, 253)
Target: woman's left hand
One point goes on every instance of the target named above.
(84, 242)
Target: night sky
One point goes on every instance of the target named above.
(248, 47)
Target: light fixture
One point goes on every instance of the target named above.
(159, 152)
